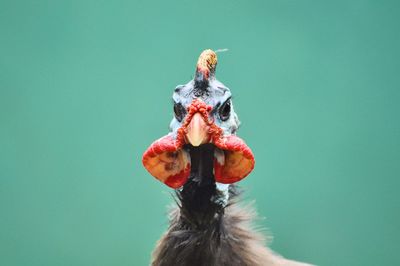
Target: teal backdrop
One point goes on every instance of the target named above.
(85, 87)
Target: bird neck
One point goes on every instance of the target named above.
(202, 203)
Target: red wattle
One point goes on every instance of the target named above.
(239, 160)
(166, 161)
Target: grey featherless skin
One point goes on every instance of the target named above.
(208, 227)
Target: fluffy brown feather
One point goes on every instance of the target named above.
(226, 238)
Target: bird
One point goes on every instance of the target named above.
(202, 159)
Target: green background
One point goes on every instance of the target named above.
(85, 87)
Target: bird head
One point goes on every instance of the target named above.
(204, 119)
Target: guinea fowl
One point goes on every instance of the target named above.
(201, 158)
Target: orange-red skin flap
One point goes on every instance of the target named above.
(167, 162)
(238, 162)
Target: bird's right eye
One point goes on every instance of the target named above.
(179, 111)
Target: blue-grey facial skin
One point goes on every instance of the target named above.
(215, 95)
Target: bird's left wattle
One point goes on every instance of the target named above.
(168, 161)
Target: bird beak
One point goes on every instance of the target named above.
(197, 131)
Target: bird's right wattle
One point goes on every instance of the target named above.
(167, 161)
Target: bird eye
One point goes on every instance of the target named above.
(179, 111)
(225, 110)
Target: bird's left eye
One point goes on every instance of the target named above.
(179, 111)
(225, 110)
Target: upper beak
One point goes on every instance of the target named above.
(197, 131)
